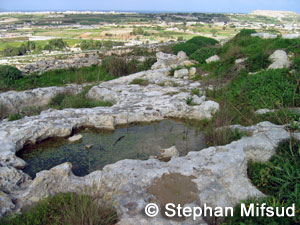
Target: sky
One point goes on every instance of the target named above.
(226, 6)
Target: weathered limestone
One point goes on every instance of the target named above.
(181, 73)
(75, 138)
(265, 35)
(14, 101)
(214, 58)
(220, 172)
(280, 60)
(264, 111)
(192, 72)
(169, 152)
(290, 36)
(167, 60)
(77, 62)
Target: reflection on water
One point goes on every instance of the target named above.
(133, 142)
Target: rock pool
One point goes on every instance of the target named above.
(99, 148)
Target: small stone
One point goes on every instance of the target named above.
(88, 146)
(75, 138)
(188, 63)
(169, 152)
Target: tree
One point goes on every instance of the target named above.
(213, 32)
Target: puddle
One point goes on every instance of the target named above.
(132, 142)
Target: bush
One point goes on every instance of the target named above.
(188, 48)
(202, 42)
(194, 44)
(245, 32)
(10, 73)
(202, 54)
(90, 45)
(68, 208)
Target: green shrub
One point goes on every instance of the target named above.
(245, 32)
(202, 54)
(188, 48)
(62, 209)
(10, 73)
(14, 117)
(202, 42)
(90, 45)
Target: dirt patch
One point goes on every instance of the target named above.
(85, 35)
(174, 188)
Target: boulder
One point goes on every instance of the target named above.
(181, 73)
(279, 60)
(214, 58)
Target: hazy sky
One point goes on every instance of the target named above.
(243, 6)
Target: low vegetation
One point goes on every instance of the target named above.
(67, 100)
(62, 209)
(279, 179)
(97, 45)
(141, 82)
(54, 78)
(194, 44)
(120, 66)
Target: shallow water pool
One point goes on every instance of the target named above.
(132, 142)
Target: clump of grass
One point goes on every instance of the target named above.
(195, 91)
(67, 208)
(279, 178)
(13, 117)
(141, 82)
(189, 101)
(67, 100)
(57, 78)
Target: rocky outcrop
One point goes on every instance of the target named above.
(279, 60)
(220, 172)
(171, 61)
(76, 62)
(15, 102)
